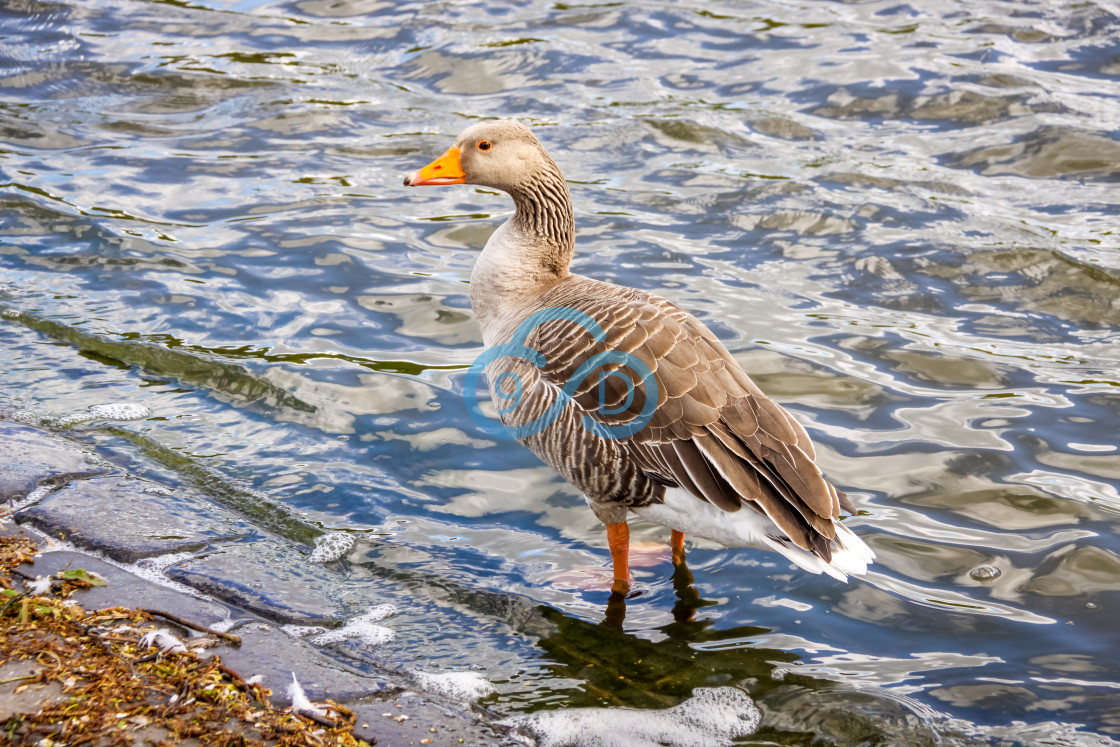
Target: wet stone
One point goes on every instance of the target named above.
(33, 458)
(15, 699)
(407, 719)
(271, 579)
(269, 652)
(127, 589)
(129, 519)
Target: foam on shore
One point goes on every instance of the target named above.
(331, 546)
(712, 716)
(361, 628)
(114, 411)
(458, 687)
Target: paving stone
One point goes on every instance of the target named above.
(30, 457)
(446, 727)
(269, 652)
(126, 589)
(13, 674)
(129, 518)
(269, 578)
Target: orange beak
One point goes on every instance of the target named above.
(444, 170)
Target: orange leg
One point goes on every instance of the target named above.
(618, 538)
(677, 543)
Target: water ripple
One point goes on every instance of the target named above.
(900, 219)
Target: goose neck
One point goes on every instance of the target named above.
(544, 218)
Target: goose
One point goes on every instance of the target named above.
(671, 429)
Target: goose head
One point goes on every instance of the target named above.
(502, 154)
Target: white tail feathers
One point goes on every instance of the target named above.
(746, 528)
(850, 555)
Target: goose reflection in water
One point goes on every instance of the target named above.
(684, 608)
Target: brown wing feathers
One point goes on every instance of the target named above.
(714, 432)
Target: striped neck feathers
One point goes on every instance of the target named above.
(544, 220)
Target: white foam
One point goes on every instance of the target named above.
(331, 546)
(361, 628)
(114, 411)
(151, 569)
(302, 631)
(712, 716)
(121, 411)
(34, 496)
(460, 687)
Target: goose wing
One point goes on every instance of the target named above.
(713, 431)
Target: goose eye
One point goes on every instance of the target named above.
(485, 145)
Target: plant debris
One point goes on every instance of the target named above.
(117, 691)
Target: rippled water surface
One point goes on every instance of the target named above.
(903, 221)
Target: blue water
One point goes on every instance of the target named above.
(900, 219)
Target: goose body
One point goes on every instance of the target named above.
(631, 398)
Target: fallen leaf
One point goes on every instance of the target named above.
(80, 574)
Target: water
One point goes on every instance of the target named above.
(901, 220)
